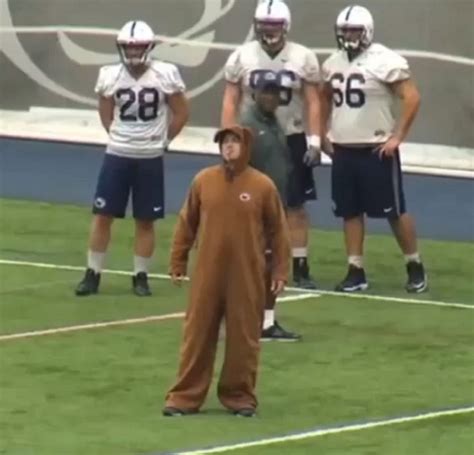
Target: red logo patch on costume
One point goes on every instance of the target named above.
(245, 197)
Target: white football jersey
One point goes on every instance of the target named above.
(362, 111)
(140, 125)
(293, 65)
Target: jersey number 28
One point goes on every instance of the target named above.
(351, 94)
(147, 98)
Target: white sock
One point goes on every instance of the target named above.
(299, 252)
(357, 261)
(269, 319)
(141, 264)
(95, 261)
(415, 257)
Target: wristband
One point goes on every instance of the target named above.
(313, 141)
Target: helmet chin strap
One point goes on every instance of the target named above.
(273, 45)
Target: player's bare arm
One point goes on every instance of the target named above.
(312, 107)
(106, 111)
(179, 107)
(313, 122)
(326, 108)
(407, 91)
(230, 104)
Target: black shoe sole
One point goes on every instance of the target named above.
(142, 293)
(359, 287)
(417, 290)
(85, 294)
(175, 412)
(246, 413)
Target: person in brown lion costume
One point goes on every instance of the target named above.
(238, 213)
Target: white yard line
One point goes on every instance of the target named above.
(121, 322)
(93, 325)
(331, 430)
(294, 298)
(381, 298)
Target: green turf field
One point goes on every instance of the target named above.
(100, 391)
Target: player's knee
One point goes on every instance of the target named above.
(297, 215)
(102, 222)
(144, 226)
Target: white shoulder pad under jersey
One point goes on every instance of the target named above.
(111, 76)
(140, 123)
(362, 98)
(108, 77)
(294, 65)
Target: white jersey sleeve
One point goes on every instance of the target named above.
(310, 69)
(326, 73)
(172, 81)
(108, 76)
(391, 67)
(233, 69)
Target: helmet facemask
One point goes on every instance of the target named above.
(135, 53)
(271, 34)
(352, 38)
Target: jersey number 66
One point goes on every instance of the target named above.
(352, 95)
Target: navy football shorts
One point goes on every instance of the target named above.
(364, 183)
(120, 177)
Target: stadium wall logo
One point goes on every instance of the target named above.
(190, 49)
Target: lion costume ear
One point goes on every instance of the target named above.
(248, 137)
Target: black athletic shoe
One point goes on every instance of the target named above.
(417, 279)
(301, 276)
(305, 283)
(244, 412)
(277, 333)
(170, 411)
(89, 284)
(354, 281)
(140, 285)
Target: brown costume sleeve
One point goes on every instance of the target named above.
(276, 230)
(185, 231)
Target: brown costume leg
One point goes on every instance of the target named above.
(244, 316)
(198, 349)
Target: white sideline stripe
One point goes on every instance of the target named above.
(332, 430)
(385, 298)
(95, 325)
(98, 325)
(304, 292)
(294, 298)
(76, 30)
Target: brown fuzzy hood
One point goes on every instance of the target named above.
(246, 138)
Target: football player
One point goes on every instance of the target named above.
(298, 73)
(136, 97)
(363, 80)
